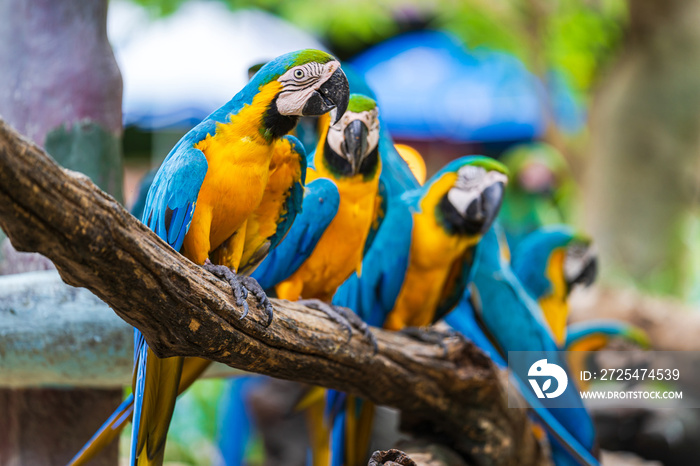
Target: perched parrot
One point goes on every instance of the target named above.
(549, 263)
(595, 335)
(313, 243)
(207, 189)
(324, 246)
(415, 271)
(499, 315)
(283, 192)
(397, 176)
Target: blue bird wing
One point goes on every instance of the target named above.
(168, 211)
(515, 322)
(464, 319)
(372, 294)
(380, 209)
(319, 207)
(173, 195)
(396, 174)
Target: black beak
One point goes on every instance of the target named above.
(334, 93)
(355, 142)
(483, 210)
(587, 275)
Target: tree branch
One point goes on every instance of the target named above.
(183, 310)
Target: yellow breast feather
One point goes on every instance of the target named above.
(434, 262)
(339, 251)
(285, 171)
(239, 158)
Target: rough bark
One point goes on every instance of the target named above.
(183, 310)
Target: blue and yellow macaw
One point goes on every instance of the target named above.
(397, 175)
(500, 316)
(325, 244)
(549, 263)
(415, 271)
(595, 335)
(337, 209)
(283, 194)
(208, 188)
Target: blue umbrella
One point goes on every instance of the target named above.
(431, 87)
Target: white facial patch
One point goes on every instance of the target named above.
(471, 182)
(300, 82)
(336, 132)
(577, 258)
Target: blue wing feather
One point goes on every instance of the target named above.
(140, 359)
(173, 195)
(320, 204)
(515, 322)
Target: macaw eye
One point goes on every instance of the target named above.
(298, 74)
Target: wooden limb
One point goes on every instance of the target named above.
(183, 310)
(391, 458)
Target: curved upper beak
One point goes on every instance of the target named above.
(588, 273)
(482, 211)
(355, 143)
(334, 93)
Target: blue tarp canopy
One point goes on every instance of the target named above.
(180, 68)
(429, 86)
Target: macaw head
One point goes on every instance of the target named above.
(555, 257)
(580, 263)
(307, 83)
(474, 198)
(550, 263)
(351, 143)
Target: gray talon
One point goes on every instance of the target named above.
(263, 301)
(357, 322)
(241, 286)
(428, 335)
(331, 312)
(345, 317)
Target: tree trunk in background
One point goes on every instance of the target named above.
(60, 85)
(643, 175)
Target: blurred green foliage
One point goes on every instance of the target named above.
(577, 37)
(193, 430)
